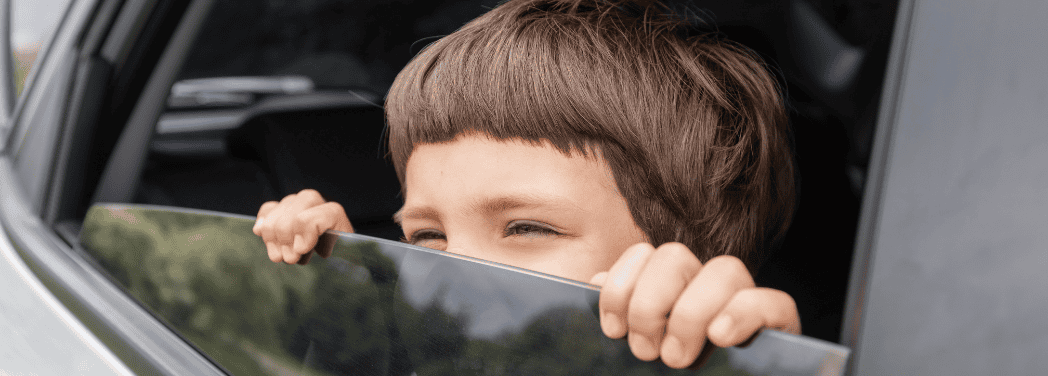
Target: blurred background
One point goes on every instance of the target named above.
(32, 24)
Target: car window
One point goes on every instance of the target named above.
(33, 23)
(281, 104)
(293, 101)
(377, 307)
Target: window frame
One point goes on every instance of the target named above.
(18, 99)
(864, 249)
(82, 287)
(122, 327)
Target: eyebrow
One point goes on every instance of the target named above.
(416, 213)
(495, 205)
(504, 203)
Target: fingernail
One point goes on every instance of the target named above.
(643, 347)
(599, 278)
(632, 264)
(298, 243)
(722, 325)
(672, 350)
(612, 325)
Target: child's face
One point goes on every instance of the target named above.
(517, 204)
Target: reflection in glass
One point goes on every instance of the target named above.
(32, 24)
(377, 307)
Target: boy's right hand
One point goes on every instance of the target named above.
(290, 228)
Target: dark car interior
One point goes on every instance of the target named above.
(230, 150)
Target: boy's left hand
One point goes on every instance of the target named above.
(670, 303)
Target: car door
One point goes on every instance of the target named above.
(950, 275)
(70, 319)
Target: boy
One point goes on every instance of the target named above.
(597, 141)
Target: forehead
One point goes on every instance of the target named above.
(475, 167)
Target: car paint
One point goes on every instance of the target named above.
(40, 334)
(126, 330)
(953, 280)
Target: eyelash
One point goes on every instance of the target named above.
(537, 228)
(427, 234)
(518, 228)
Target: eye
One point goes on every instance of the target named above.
(425, 237)
(529, 229)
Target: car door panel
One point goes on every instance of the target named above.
(41, 335)
(110, 328)
(956, 281)
(97, 307)
(378, 307)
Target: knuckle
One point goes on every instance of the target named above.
(263, 223)
(266, 206)
(780, 297)
(673, 251)
(299, 220)
(304, 221)
(267, 230)
(748, 300)
(678, 256)
(612, 298)
(311, 195)
(338, 209)
(727, 262)
(732, 269)
(646, 326)
(646, 318)
(686, 318)
(284, 229)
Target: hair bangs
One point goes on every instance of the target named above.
(530, 83)
(692, 126)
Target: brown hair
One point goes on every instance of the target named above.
(693, 127)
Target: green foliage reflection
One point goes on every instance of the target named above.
(209, 278)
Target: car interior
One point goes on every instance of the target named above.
(309, 116)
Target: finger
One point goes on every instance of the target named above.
(664, 277)
(618, 285)
(736, 323)
(706, 296)
(262, 212)
(286, 221)
(599, 278)
(274, 252)
(308, 198)
(290, 257)
(314, 221)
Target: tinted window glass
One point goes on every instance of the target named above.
(263, 111)
(378, 307)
